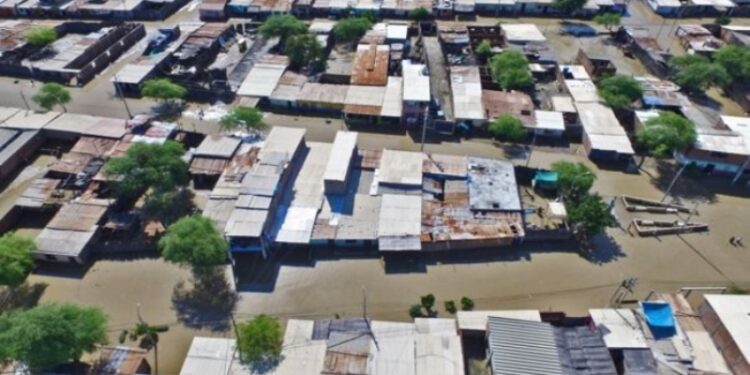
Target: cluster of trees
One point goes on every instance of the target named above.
(696, 73)
(16, 259)
(620, 91)
(349, 30)
(245, 119)
(510, 70)
(665, 134)
(164, 90)
(52, 94)
(426, 305)
(608, 20)
(419, 14)
(507, 127)
(301, 47)
(588, 214)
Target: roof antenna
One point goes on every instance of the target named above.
(367, 321)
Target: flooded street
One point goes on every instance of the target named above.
(549, 277)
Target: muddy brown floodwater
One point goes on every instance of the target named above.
(552, 276)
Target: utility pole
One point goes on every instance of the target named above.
(367, 321)
(424, 126)
(671, 184)
(25, 102)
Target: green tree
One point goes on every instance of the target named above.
(507, 128)
(260, 339)
(148, 166)
(304, 51)
(415, 311)
(510, 70)
(608, 20)
(736, 61)
(665, 134)
(427, 301)
(163, 89)
(282, 26)
(193, 240)
(16, 259)
(590, 215)
(450, 307)
(620, 91)
(574, 179)
(723, 20)
(52, 94)
(696, 74)
(467, 304)
(148, 336)
(51, 334)
(419, 14)
(349, 30)
(484, 49)
(569, 6)
(246, 119)
(41, 36)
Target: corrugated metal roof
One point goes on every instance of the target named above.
(323, 93)
(439, 355)
(218, 146)
(522, 347)
(261, 80)
(79, 215)
(29, 120)
(371, 65)
(518, 33)
(477, 320)
(246, 223)
(466, 88)
(492, 185)
(400, 220)
(365, 100)
(213, 355)
(13, 142)
(62, 242)
(582, 90)
(342, 152)
(416, 82)
(392, 102)
(282, 140)
(620, 328)
(95, 126)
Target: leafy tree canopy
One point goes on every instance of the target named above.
(195, 241)
(51, 334)
(162, 89)
(570, 5)
(350, 30)
(608, 20)
(16, 259)
(50, 95)
(245, 118)
(510, 70)
(620, 91)
(590, 215)
(303, 50)
(282, 26)
(484, 48)
(419, 14)
(666, 133)
(260, 339)
(156, 166)
(736, 61)
(41, 36)
(574, 179)
(695, 73)
(507, 128)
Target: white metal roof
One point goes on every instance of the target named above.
(210, 355)
(436, 326)
(365, 95)
(563, 103)
(282, 140)
(477, 320)
(321, 26)
(596, 118)
(526, 32)
(342, 152)
(400, 215)
(261, 80)
(392, 104)
(466, 88)
(63, 242)
(400, 167)
(617, 143)
(549, 120)
(245, 223)
(95, 126)
(218, 146)
(575, 72)
(297, 225)
(30, 120)
(397, 31)
(582, 90)
(726, 143)
(734, 313)
(706, 356)
(439, 355)
(620, 328)
(416, 82)
(739, 125)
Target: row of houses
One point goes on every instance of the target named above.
(290, 192)
(82, 50)
(87, 10)
(710, 340)
(219, 9)
(699, 8)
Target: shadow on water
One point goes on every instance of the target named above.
(206, 302)
(66, 270)
(24, 297)
(695, 185)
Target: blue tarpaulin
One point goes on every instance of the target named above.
(660, 319)
(545, 179)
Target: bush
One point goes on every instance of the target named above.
(260, 339)
(620, 91)
(450, 307)
(415, 311)
(510, 70)
(467, 304)
(41, 36)
(507, 128)
(351, 29)
(419, 14)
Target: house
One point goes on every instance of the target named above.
(121, 360)
(264, 76)
(603, 136)
(68, 236)
(725, 318)
(596, 66)
(538, 348)
(212, 156)
(371, 65)
(646, 48)
(723, 148)
(212, 10)
(466, 91)
(625, 340)
(402, 8)
(696, 39)
(415, 93)
(666, 8)
(522, 33)
(548, 123)
(213, 355)
(515, 103)
(339, 67)
(322, 97)
(454, 36)
(16, 148)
